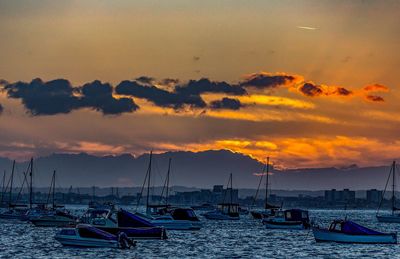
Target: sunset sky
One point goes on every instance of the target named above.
(308, 83)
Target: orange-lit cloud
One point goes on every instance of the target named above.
(374, 98)
(376, 88)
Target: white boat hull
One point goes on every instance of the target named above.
(86, 242)
(389, 218)
(324, 235)
(273, 225)
(178, 224)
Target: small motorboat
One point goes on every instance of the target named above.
(288, 219)
(115, 221)
(175, 219)
(89, 236)
(224, 211)
(345, 231)
(59, 218)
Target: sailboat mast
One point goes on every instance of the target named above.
(2, 187)
(266, 185)
(231, 189)
(148, 182)
(11, 183)
(54, 188)
(30, 186)
(393, 185)
(167, 191)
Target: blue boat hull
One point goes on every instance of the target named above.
(324, 235)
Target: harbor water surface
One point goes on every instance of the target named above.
(245, 238)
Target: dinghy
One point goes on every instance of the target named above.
(394, 217)
(88, 236)
(288, 219)
(344, 231)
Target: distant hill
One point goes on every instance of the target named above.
(191, 169)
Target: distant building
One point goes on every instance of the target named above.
(374, 196)
(340, 196)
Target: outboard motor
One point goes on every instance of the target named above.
(124, 242)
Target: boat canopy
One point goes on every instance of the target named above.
(184, 214)
(352, 228)
(127, 219)
(88, 231)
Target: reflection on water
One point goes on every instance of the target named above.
(244, 238)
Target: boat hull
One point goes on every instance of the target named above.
(178, 224)
(86, 242)
(324, 235)
(389, 218)
(51, 222)
(138, 233)
(218, 216)
(294, 225)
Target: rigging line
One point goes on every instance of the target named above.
(22, 186)
(142, 189)
(259, 185)
(227, 187)
(384, 191)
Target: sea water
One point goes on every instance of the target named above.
(245, 238)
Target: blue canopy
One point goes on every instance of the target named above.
(129, 220)
(92, 232)
(349, 227)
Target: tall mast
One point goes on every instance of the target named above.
(11, 183)
(167, 193)
(2, 187)
(231, 189)
(393, 196)
(148, 183)
(31, 187)
(54, 188)
(266, 185)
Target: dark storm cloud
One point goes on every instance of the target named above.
(343, 91)
(263, 80)
(57, 96)
(159, 97)
(226, 103)
(98, 95)
(204, 85)
(44, 98)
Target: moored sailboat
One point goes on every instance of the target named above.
(288, 219)
(393, 217)
(269, 209)
(225, 210)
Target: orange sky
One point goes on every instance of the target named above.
(326, 45)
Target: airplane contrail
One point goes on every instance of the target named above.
(306, 28)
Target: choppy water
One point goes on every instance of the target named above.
(218, 239)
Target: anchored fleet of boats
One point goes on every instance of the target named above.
(105, 225)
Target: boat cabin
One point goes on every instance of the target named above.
(184, 214)
(350, 227)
